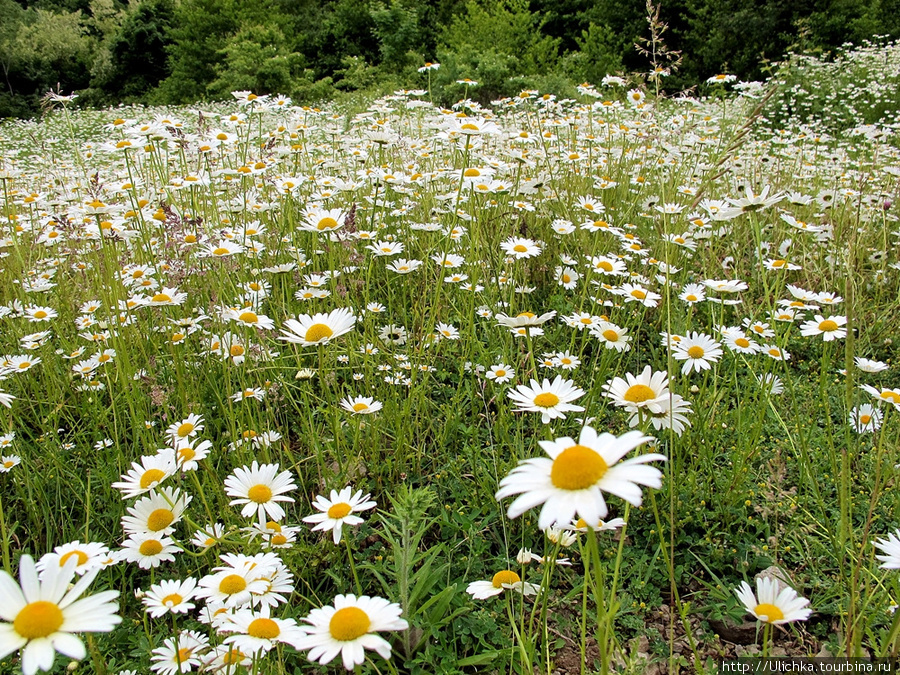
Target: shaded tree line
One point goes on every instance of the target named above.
(179, 51)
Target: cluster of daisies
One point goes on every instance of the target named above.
(241, 597)
(260, 243)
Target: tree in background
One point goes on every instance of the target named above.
(179, 51)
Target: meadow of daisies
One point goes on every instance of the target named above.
(540, 387)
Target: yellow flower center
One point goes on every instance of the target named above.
(327, 224)
(263, 628)
(865, 419)
(770, 611)
(696, 352)
(779, 263)
(827, 326)
(185, 429)
(775, 352)
(233, 657)
(248, 317)
(187, 454)
(469, 127)
(338, 511)
(40, 314)
(236, 350)
(691, 297)
(220, 251)
(318, 332)
(358, 407)
(638, 393)
(184, 654)
(546, 400)
(151, 547)
(500, 373)
(260, 494)
(505, 577)
(172, 599)
(233, 583)
(891, 396)
(519, 248)
(349, 623)
(150, 477)
(190, 239)
(605, 266)
(279, 540)
(82, 557)
(638, 293)
(161, 297)
(38, 620)
(577, 468)
(470, 173)
(160, 519)
(742, 342)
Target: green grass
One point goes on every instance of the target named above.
(754, 480)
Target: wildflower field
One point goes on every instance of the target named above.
(535, 388)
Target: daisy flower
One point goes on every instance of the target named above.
(830, 329)
(647, 391)
(504, 580)
(186, 428)
(323, 220)
(349, 628)
(692, 294)
(771, 605)
(249, 318)
(886, 395)
(188, 453)
(403, 266)
(338, 511)
(361, 405)
(167, 296)
(180, 656)
(571, 481)
(891, 549)
(637, 293)
(88, 556)
(7, 462)
(255, 632)
(775, 352)
(40, 616)
(523, 319)
(156, 513)
(519, 248)
(738, 342)
(500, 373)
(259, 488)
(865, 418)
(612, 336)
(148, 550)
(771, 382)
(170, 595)
(209, 536)
(697, 351)
(870, 366)
(232, 586)
(321, 328)
(551, 399)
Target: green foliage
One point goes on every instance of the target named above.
(256, 59)
(163, 51)
(135, 60)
